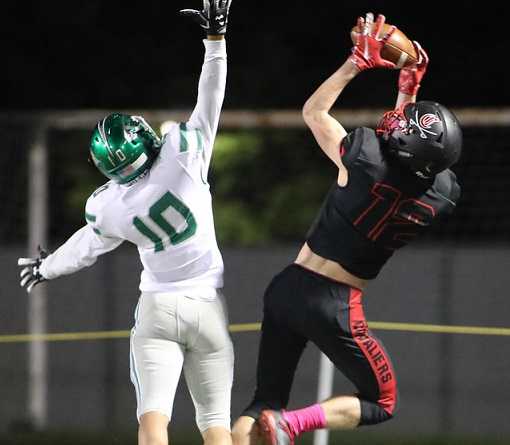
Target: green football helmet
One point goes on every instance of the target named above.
(123, 147)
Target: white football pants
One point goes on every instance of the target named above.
(173, 331)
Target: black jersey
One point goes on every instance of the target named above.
(381, 209)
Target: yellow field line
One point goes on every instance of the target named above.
(244, 327)
(438, 329)
(251, 327)
(64, 336)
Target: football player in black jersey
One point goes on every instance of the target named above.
(393, 182)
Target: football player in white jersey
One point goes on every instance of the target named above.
(158, 198)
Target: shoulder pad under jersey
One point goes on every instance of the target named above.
(361, 143)
(446, 185)
(181, 139)
(100, 201)
(100, 189)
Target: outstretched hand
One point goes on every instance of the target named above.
(366, 53)
(410, 78)
(30, 275)
(213, 17)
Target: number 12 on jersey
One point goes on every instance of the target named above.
(156, 216)
(393, 219)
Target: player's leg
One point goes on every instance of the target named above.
(342, 412)
(155, 369)
(156, 363)
(246, 431)
(279, 352)
(153, 429)
(208, 369)
(217, 435)
(340, 330)
(337, 325)
(362, 358)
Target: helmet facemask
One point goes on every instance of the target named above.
(423, 136)
(391, 121)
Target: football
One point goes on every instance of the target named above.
(398, 49)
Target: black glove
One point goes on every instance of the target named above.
(213, 18)
(30, 275)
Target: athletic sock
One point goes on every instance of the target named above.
(306, 419)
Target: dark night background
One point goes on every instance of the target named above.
(111, 54)
(267, 185)
(143, 55)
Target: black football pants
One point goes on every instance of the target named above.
(300, 305)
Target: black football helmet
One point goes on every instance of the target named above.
(425, 136)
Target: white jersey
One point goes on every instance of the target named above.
(167, 213)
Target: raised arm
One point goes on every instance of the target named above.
(211, 90)
(328, 132)
(211, 86)
(409, 80)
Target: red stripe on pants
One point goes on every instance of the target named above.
(374, 352)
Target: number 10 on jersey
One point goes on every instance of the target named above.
(156, 216)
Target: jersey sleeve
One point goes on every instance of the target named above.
(183, 147)
(81, 249)
(350, 147)
(203, 123)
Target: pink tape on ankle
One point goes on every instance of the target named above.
(306, 419)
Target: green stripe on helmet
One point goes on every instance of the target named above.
(123, 147)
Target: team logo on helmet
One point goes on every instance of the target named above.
(428, 119)
(424, 123)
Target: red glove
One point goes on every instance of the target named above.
(410, 77)
(366, 53)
